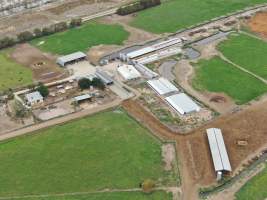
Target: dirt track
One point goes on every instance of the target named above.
(194, 155)
(258, 23)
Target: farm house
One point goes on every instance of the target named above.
(34, 98)
(182, 103)
(218, 152)
(71, 58)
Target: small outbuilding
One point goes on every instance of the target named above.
(128, 72)
(182, 103)
(34, 98)
(105, 78)
(71, 58)
(82, 98)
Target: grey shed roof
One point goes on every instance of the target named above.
(182, 103)
(82, 97)
(218, 150)
(71, 57)
(104, 77)
(34, 96)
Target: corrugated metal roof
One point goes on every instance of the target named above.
(128, 72)
(162, 86)
(218, 150)
(71, 57)
(34, 97)
(82, 97)
(182, 103)
(104, 77)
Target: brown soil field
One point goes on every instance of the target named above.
(42, 64)
(193, 150)
(258, 23)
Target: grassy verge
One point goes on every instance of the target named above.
(12, 74)
(82, 38)
(248, 52)
(255, 188)
(215, 75)
(178, 14)
(108, 150)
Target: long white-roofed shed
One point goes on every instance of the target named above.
(162, 86)
(182, 103)
(218, 151)
(71, 58)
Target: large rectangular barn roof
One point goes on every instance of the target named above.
(218, 150)
(71, 57)
(182, 103)
(162, 86)
(128, 72)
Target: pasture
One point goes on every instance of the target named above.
(107, 150)
(216, 75)
(173, 15)
(12, 74)
(247, 52)
(112, 196)
(82, 38)
(255, 188)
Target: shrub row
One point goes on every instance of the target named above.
(137, 6)
(28, 35)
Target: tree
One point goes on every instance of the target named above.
(25, 36)
(20, 110)
(7, 42)
(61, 26)
(37, 32)
(43, 90)
(75, 22)
(48, 30)
(148, 185)
(84, 83)
(97, 82)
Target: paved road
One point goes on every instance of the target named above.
(60, 120)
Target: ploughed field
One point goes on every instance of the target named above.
(173, 15)
(13, 75)
(107, 150)
(82, 38)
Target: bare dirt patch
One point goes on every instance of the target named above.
(42, 64)
(168, 154)
(258, 23)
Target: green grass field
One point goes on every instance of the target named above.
(215, 75)
(246, 51)
(12, 74)
(255, 188)
(178, 14)
(82, 38)
(113, 196)
(107, 150)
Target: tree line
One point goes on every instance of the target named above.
(39, 32)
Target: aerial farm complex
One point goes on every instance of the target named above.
(133, 100)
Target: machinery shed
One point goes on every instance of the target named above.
(162, 86)
(182, 103)
(71, 58)
(218, 151)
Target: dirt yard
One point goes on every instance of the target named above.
(196, 164)
(258, 23)
(42, 64)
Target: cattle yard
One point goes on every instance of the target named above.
(177, 88)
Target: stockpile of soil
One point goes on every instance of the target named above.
(258, 23)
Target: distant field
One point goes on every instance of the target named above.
(12, 74)
(108, 150)
(215, 75)
(82, 38)
(255, 188)
(114, 196)
(178, 14)
(248, 52)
